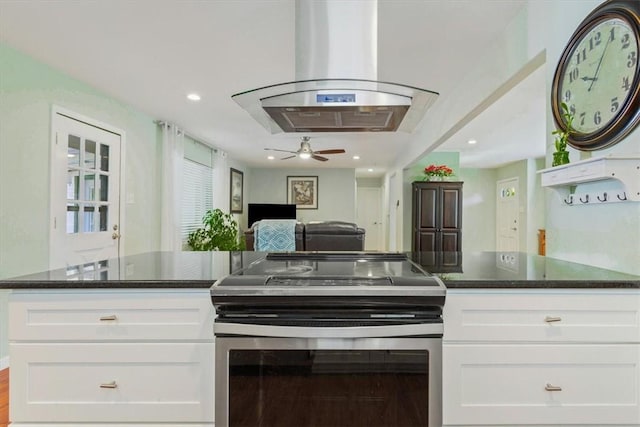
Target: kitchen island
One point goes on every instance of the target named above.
(528, 340)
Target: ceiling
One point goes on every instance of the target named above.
(151, 53)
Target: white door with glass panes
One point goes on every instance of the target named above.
(85, 193)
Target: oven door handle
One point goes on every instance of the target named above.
(253, 330)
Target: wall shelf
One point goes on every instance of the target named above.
(625, 170)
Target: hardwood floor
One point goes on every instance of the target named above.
(4, 397)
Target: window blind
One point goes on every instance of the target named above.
(197, 195)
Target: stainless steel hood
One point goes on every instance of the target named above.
(336, 87)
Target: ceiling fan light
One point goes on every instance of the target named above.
(305, 155)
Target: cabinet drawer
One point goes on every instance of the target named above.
(542, 318)
(95, 315)
(505, 385)
(112, 383)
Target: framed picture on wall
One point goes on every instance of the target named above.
(303, 191)
(235, 192)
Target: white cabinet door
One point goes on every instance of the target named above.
(517, 385)
(115, 382)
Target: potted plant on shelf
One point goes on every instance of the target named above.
(219, 233)
(561, 155)
(437, 172)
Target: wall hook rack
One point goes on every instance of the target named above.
(619, 175)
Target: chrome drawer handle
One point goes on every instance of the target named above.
(550, 319)
(105, 318)
(550, 387)
(112, 384)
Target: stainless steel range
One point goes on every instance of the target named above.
(329, 339)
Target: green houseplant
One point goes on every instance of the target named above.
(561, 155)
(219, 233)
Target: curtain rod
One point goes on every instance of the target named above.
(162, 123)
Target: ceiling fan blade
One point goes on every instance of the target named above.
(322, 159)
(289, 157)
(284, 151)
(334, 151)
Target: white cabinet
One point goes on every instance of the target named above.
(539, 357)
(119, 356)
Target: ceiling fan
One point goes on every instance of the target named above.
(305, 151)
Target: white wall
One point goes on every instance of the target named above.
(336, 191)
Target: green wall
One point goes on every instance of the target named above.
(28, 90)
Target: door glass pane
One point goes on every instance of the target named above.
(90, 154)
(89, 187)
(337, 388)
(72, 218)
(104, 188)
(104, 157)
(88, 217)
(73, 184)
(73, 151)
(103, 213)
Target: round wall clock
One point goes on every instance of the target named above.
(598, 77)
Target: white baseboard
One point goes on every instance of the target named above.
(4, 363)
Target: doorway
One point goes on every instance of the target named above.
(85, 191)
(369, 216)
(507, 215)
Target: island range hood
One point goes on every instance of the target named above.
(336, 87)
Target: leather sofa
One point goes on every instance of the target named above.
(322, 236)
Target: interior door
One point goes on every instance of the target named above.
(507, 215)
(85, 193)
(369, 217)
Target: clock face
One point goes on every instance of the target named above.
(599, 74)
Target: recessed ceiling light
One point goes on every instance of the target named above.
(270, 157)
(472, 141)
(356, 157)
(193, 97)
(370, 170)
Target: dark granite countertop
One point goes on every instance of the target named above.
(486, 270)
(482, 270)
(143, 271)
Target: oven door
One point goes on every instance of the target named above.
(327, 381)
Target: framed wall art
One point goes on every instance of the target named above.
(303, 191)
(235, 193)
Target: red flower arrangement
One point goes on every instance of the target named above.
(440, 171)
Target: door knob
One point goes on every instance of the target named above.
(115, 236)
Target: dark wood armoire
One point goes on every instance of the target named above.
(437, 218)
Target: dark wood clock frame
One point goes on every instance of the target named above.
(628, 116)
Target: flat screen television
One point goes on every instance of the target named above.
(258, 211)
